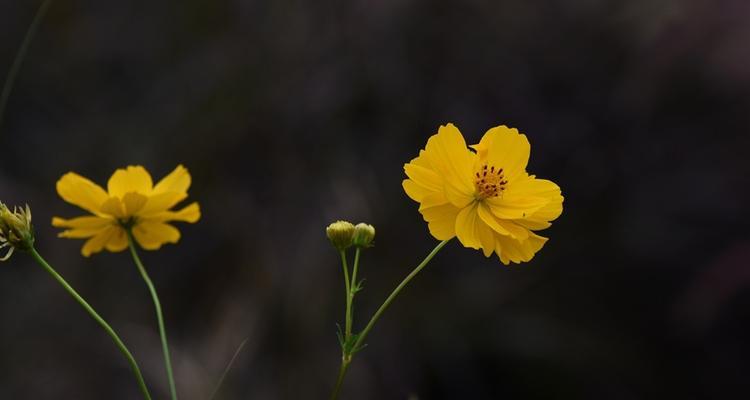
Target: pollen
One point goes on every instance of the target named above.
(489, 182)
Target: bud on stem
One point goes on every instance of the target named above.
(364, 234)
(340, 233)
(16, 231)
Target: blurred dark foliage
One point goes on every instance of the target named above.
(290, 114)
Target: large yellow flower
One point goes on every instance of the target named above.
(130, 202)
(484, 197)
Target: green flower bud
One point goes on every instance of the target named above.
(364, 234)
(340, 233)
(16, 231)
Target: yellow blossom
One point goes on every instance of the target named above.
(484, 197)
(132, 202)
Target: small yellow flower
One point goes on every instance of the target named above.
(484, 197)
(131, 201)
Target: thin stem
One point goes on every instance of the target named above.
(350, 299)
(226, 370)
(120, 345)
(347, 283)
(16, 66)
(395, 293)
(159, 316)
(345, 361)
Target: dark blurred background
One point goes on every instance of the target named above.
(291, 114)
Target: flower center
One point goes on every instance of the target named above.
(489, 182)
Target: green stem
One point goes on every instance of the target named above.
(16, 66)
(347, 283)
(120, 345)
(350, 295)
(347, 358)
(395, 293)
(345, 361)
(159, 316)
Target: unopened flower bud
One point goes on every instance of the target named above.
(364, 234)
(16, 231)
(340, 233)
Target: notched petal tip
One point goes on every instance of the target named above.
(179, 180)
(133, 178)
(191, 213)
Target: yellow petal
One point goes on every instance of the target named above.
(133, 202)
(449, 155)
(458, 196)
(441, 220)
(177, 181)
(97, 243)
(432, 200)
(162, 202)
(415, 191)
(486, 215)
(82, 227)
(424, 177)
(486, 238)
(191, 213)
(515, 207)
(516, 231)
(151, 235)
(523, 197)
(81, 222)
(118, 241)
(113, 207)
(539, 188)
(466, 227)
(130, 179)
(511, 250)
(509, 150)
(443, 229)
(486, 142)
(502, 226)
(80, 191)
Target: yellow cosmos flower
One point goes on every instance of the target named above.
(131, 201)
(484, 197)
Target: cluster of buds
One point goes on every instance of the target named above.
(344, 234)
(16, 231)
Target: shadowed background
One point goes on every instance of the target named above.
(291, 114)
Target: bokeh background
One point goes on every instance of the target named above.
(291, 114)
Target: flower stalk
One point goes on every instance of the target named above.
(354, 342)
(159, 315)
(347, 293)
(353, 289)
(90, 310)
(17, 233)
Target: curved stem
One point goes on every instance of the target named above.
(120, 345)
(395, 293)
(347, 358)
(159, 316)
(16, 66)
